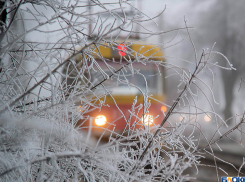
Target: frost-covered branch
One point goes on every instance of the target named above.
(66, 65)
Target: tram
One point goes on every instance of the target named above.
(116, 113)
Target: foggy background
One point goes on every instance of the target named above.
(220, 22)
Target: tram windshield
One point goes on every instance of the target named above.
(125, 82)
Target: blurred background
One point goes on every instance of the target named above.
(219, 22)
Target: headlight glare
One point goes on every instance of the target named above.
(164, 108)
(147, 120)
(100, 120)
(207, 118)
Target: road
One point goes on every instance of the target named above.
(231, 153)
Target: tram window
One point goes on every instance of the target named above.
(150, 73)
(150, 76)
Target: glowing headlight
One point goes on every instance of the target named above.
(100, 120)
(164, 108)
(147, 120)
(207, 118)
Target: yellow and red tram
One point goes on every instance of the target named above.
(115, 114)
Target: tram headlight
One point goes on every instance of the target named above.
(164, 109)
(147, 120)
(100, 120)
(207, 118)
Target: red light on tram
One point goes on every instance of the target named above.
(121, 49)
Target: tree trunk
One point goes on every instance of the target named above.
(229, 80)
(3, 17)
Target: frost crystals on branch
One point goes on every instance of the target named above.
(55, 73)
